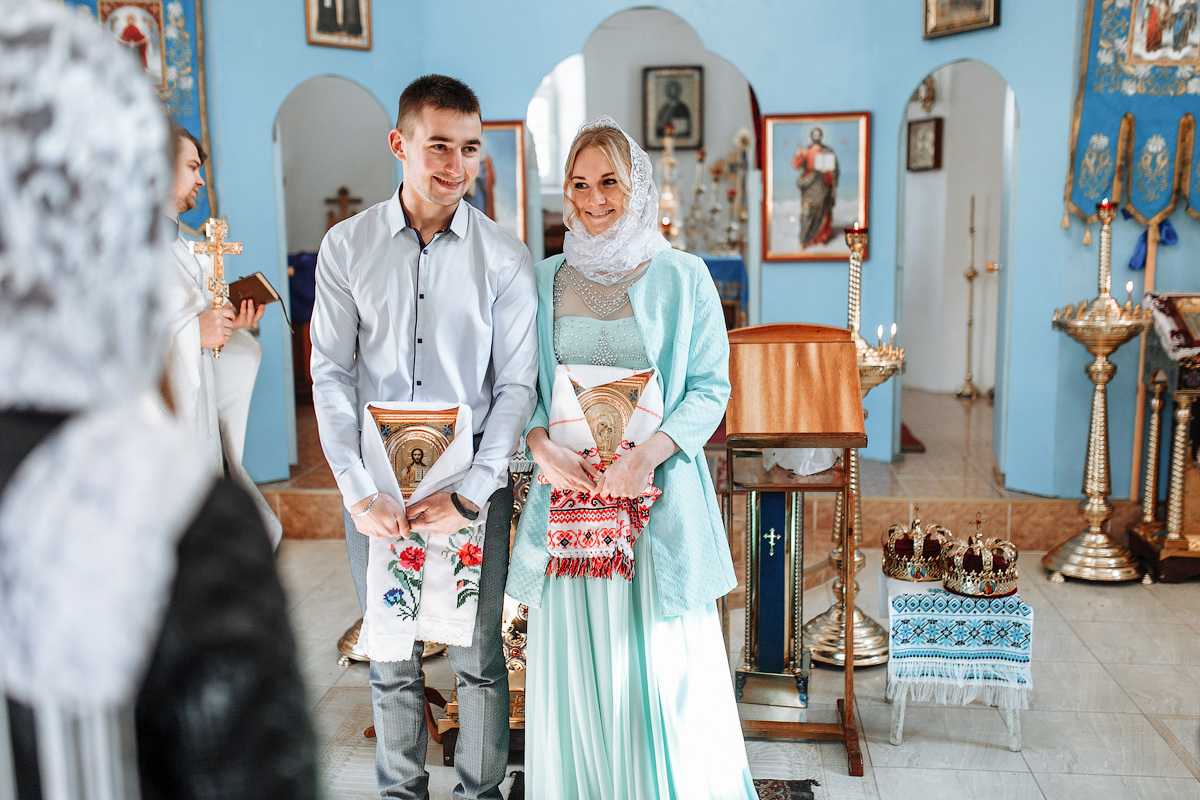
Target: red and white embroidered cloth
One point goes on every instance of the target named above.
(587, 536)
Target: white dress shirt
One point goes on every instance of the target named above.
(451, 320)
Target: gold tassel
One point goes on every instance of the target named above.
(1066, 223)
(1087, 236)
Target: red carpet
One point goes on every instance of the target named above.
(908, 442)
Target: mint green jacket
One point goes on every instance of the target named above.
(679, 315)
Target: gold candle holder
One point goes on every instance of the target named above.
(825, 635)
(968, 390)
(1101, 326)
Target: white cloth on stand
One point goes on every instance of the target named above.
(801, 460)
(425, 588)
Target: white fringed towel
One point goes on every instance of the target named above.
(425, 588)
(588, 537)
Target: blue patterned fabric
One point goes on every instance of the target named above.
(954, 649)
(1135, 110)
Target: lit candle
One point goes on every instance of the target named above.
(1106, 204)
(893, 341)
(879, 336)
(1129, 290)
(857, 225)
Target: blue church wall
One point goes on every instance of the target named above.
(800, 56)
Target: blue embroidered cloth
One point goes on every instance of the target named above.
(947, 648)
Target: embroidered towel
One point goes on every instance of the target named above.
(600, 413)
(424, 588)
(951, 649)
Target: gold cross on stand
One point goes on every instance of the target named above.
(215, 231)
(772, 537)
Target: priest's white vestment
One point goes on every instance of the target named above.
(212, 395)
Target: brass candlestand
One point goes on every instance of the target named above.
(1101, 326)
(968, 390)
(824, 635)
(1149, 522)
(668, 197)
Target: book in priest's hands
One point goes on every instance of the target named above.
(257, 288)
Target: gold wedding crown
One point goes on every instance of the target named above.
(913, 553)
(981, 567)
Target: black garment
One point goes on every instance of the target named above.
(352, 18)
(221, 714)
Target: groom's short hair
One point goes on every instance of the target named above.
(438, 91)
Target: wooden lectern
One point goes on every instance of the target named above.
(793, 386)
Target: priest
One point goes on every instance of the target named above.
(210, 395)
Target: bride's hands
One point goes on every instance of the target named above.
(565, 469)
(626, 476)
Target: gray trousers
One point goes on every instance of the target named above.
(398, 688)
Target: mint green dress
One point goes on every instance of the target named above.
(623, 702)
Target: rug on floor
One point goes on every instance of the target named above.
(908, 442)
(786, 790)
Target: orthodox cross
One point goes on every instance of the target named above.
(978, 522)
(215, 231)
(772, 537)
(343, 201)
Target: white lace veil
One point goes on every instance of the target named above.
(608, 257)
(90, 522)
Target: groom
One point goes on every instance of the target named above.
(423, 298)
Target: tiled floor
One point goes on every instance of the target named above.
(958, 461)
(1115, 711)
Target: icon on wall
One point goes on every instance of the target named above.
(339, 23)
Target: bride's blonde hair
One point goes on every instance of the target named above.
(615, 147)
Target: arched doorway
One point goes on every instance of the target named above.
(608, 76)
(958, 157)
(330, 134)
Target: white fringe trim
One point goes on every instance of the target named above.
(1007, 689)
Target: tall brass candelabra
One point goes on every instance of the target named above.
(825, 635)
(1101, 326)
(968, 390)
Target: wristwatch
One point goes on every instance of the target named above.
(470, 516)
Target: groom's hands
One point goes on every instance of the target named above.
(437, 514)
(385, 520)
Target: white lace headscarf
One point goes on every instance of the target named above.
(610, 256)
(90, 522)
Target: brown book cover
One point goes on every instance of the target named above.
(255, 287)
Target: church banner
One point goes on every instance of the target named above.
(1132, 133)
(166, 37)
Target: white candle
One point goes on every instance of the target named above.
(879, 335)
(893, 342)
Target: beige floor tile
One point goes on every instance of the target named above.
(784, 760)
(329, 609)
(1064, 787)
(1105, 602)
(1064, 686)
(935, 784)
(1055, 640)
(332, 710)
(1096, 744)
(1139, 642)
(1160, 688)
(1182, 598)
(940, 737)
(1183, 735)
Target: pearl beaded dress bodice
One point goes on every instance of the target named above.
(592, 325)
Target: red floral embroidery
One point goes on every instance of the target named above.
(470, 554)
(412, 558)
